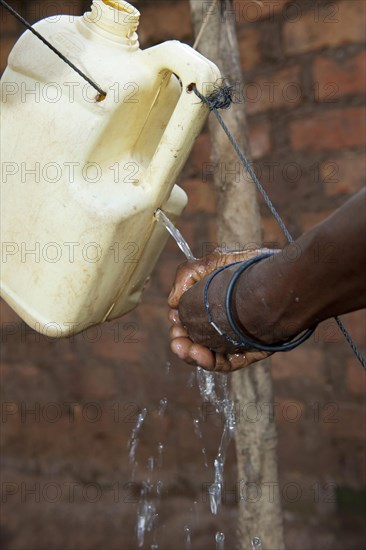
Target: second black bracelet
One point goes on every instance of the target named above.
(243, 339)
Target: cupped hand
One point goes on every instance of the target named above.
(193, 338)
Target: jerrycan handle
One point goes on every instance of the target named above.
(189, 115)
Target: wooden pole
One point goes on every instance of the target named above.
(238, 221)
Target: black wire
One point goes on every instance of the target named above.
(49, 45)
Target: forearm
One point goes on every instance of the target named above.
(319, 276)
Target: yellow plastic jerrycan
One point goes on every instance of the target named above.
(82, 175)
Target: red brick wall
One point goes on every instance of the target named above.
(304, 65)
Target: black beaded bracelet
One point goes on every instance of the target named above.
(246, 341)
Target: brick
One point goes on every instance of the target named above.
(7, 314)
(355, 377)
(7, 44)
(8, 24)
(120, 340)
(251, 11)
(272, 233)
(331, 25)
(161, 21)
(99, 382)
(41, 10)
(5, 372)
(201, 195)
(249, 47)
(347, 422)
(331, 130)
(259, 139)
(281, 89)
(119, 351)
(289, 411)
(343, 175)
(309, 219)
(201, 152)
(29, 372)
(334, 78)
(303, 362)
(355, 323)
(166, 275)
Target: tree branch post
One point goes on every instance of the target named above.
(238, 222)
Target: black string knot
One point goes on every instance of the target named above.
(220, 98)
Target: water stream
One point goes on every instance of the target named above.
(134, 437)
(175, 233)
(147, 517)
(214, 390)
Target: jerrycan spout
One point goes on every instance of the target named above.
(115, 20)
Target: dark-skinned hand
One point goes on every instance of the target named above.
(193, 338)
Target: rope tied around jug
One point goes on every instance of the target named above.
(222, 98)
(102, 93)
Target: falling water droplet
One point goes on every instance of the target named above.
(256, 543)
(220, 541)
(159, 487)
(187, 538)
(146, 513)
(150, 467)
(160, 455)
(197, 428)
(134, 439)
(195, 513)
(163, 405)
(214, 492)
(205, 461)
(190, 380)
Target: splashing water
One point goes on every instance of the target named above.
(210, 385)
(175, 233)
(220, 541)
(206, 385)
(146, 514)
(147, 517)
(214, 492)
(214, 389)
(134, 439)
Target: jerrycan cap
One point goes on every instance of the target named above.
(114, 19)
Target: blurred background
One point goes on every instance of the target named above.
(69, 407)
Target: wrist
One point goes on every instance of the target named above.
(264, 304)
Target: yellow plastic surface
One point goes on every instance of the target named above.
(82, 178)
